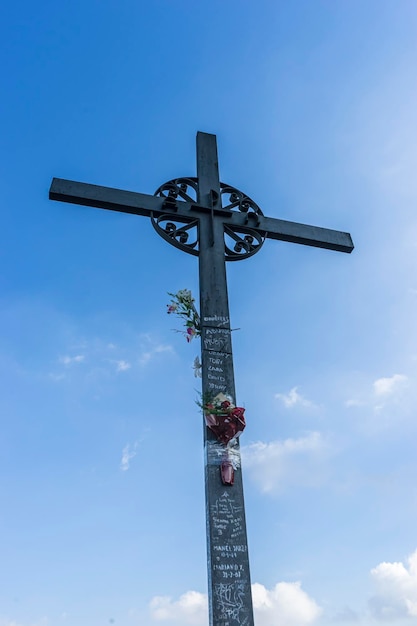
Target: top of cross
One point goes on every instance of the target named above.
(179, 206)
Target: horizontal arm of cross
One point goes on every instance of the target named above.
(125, 201)
(146, 205)
(293, 232)
(105, 197)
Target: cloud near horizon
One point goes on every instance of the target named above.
(286, 603)
(396, 590)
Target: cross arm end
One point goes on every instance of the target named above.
(104, 197)
(306, 235)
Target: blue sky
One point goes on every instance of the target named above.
(101, 459)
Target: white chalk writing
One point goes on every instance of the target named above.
(229, 597)
(221, 319)
(217, 331)
(217, 387)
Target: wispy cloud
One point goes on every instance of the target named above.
(69, 360)
(384, 391)
(148, 354)
(286, 603)
(388, 390)
(56, 378)
(355, 402)
(128, 453)
(278, 464)
(122, 366)
(102, 358)
(44, 621)
(293, 398)
(345, 615)
(396, 585)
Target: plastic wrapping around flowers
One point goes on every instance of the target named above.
(227, 422)
(224, 419)
(229, 463)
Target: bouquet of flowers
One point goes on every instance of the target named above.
(224, 419)
(227, 422)
(182, 304)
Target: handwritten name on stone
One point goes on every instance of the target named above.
(217, 320)
(216, 339)
(215, 368)
(217, 387)
(218, 361)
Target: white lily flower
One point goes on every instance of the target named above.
(197, 367)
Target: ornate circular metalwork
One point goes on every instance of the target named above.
(177, 232)
(241, 245)
(240, 242)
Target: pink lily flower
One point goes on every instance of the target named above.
(190, 334)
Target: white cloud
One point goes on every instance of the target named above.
(293, 398)
(286, 603)
(128, 453)
(281, 463)
(191, 608)
(389, 389)
(163, 348)
(56, 377)
(69, 360)
(396, 584)
(122, 366)
(390, 386)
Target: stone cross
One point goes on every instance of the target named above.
(217, 223)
